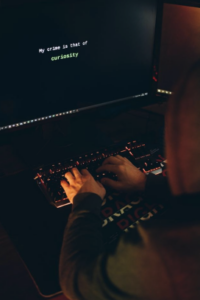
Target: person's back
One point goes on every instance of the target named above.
(161, 258)
(164, 264)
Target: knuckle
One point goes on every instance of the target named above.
(67, 173)
(121, 167)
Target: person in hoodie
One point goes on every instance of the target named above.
(160, 259)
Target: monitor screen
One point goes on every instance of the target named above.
(64, 57)
(180, 44)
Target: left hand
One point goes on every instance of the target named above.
(81, 182)
(129, 178)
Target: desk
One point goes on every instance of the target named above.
(15, 281)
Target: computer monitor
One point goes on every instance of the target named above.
(63, 57)
(180, 43)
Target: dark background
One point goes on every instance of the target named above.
(180, 43)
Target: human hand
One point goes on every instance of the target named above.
(130, 179)
(81, 182)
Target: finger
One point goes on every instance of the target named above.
(109, 168)
(76, 173)
(126, 159)
(85, 172)
(69, 177)
(121, 158)
(111, 183)
(64, 184)
(111, 160)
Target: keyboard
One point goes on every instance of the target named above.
(48, 177)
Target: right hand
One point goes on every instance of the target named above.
(129, 178)
(81, 182)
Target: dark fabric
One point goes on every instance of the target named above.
(157, 189)
(157, 260)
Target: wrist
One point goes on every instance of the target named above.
(142, 185)
(87, 201)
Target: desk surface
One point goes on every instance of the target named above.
(16, 282)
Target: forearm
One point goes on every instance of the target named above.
(82, 243)
(83, 263)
